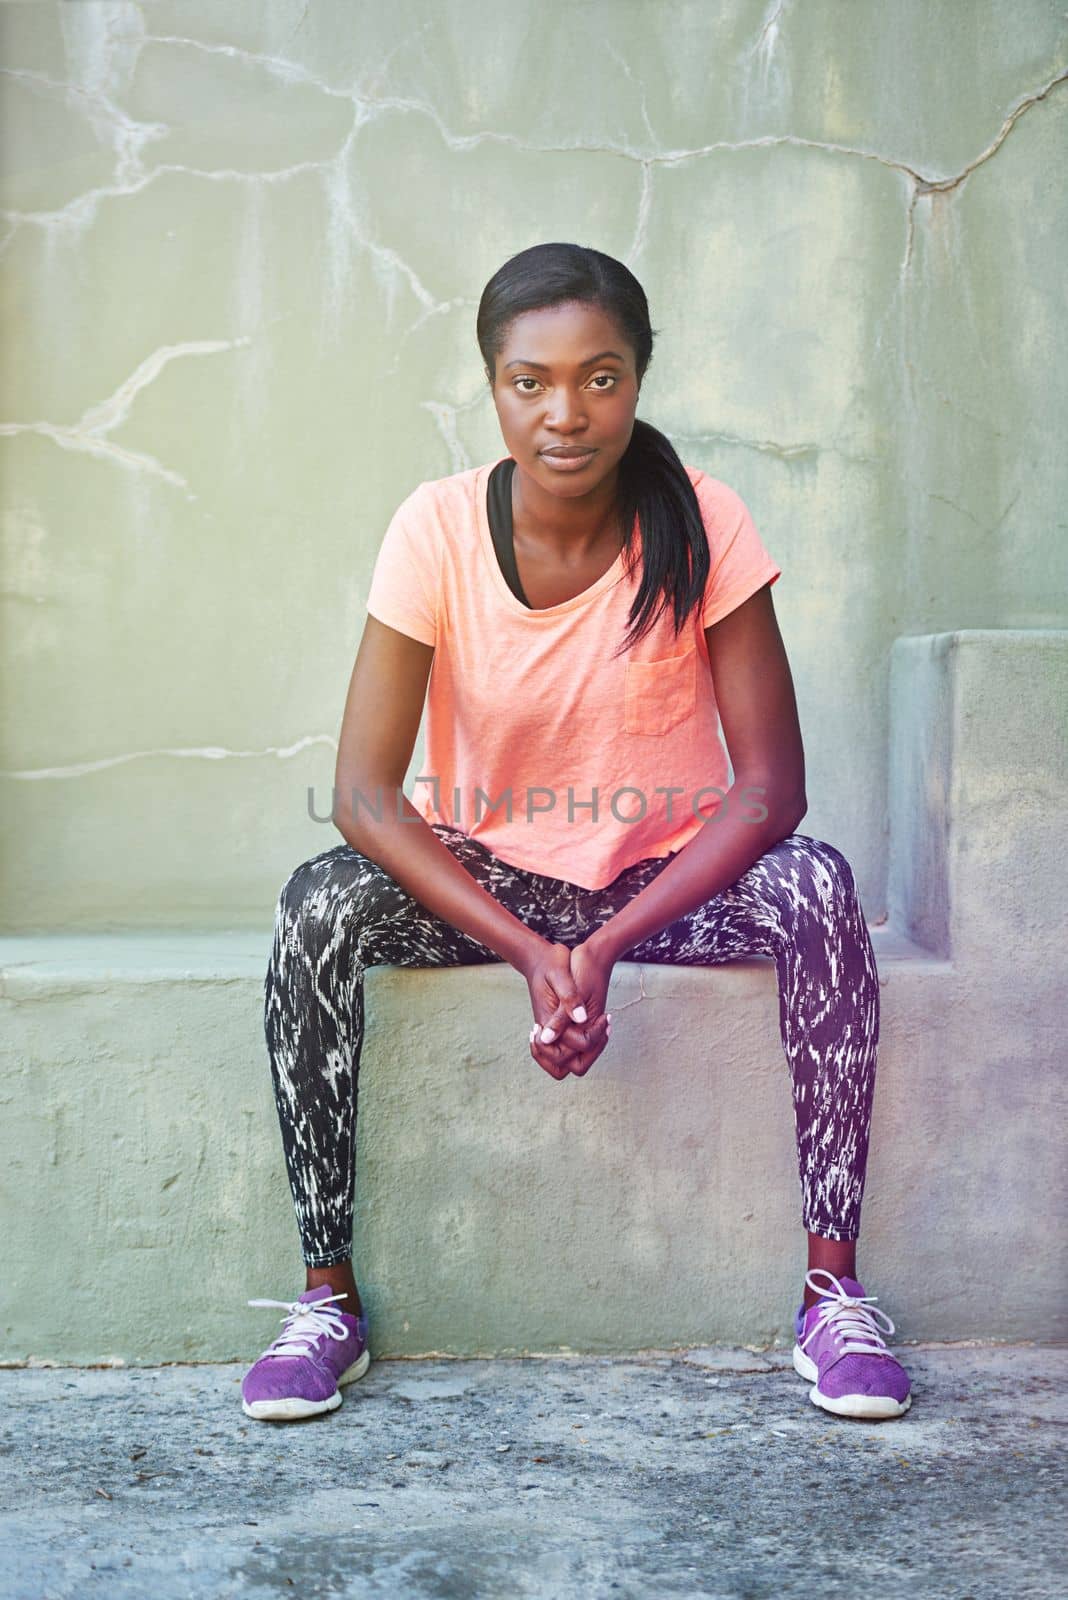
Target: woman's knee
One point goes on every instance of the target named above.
(294, 893)
(825, 867)
(310, 892)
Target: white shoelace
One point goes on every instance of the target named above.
(851, 1319)
(306, 1322)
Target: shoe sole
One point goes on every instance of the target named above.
(287, 1408)
(873, 1407)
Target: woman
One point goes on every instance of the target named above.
(593, 611)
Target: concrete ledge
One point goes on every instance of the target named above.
(654, 1203)
(978, 801)
(39, 964)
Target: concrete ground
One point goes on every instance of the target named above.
(697, 1473)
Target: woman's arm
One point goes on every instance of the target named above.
(382, 713)
(755, 694)
(379, 727)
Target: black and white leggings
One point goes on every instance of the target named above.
(339, 913)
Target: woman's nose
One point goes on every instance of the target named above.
(567, 412)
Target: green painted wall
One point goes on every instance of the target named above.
(242, 246)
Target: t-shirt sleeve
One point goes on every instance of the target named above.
(740, 565)
(404, 584)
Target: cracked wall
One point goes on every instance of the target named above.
(241, 248)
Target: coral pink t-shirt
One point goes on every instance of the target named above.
(559, 758)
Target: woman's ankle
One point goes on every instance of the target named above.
(340, 1279)
(838, 1256)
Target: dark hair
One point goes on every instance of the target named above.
(653, 483)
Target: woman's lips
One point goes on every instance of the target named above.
(568, 463)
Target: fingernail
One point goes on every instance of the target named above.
(547, 1036)
(579, 1014)
(608, 1016)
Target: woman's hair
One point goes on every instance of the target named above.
(653, 483)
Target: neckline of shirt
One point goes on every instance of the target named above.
(510, 601)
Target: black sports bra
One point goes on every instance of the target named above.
(499, 512)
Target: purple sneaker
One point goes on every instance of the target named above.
(841, 1352)
(300, 1374)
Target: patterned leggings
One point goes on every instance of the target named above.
(339, 913)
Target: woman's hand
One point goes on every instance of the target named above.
(568, 991)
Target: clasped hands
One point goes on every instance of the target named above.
(568, 990)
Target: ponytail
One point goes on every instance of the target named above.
(655, 487)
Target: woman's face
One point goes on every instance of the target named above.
(566, 381)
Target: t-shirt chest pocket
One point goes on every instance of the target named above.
(660, 694)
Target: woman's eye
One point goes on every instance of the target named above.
(611, 376)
